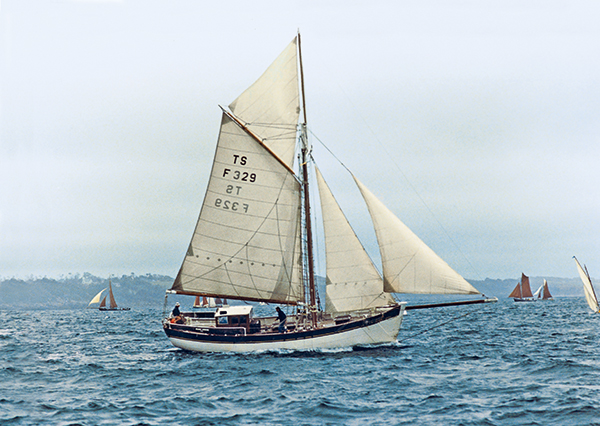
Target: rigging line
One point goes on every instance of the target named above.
(434, 327)
(328, 150)
(391, 158)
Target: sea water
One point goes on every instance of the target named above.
(495, 364)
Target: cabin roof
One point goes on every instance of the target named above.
(233, 310)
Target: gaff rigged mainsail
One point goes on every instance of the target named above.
(246, 244)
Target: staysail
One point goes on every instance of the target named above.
(246, 244)
(353, 282)
(409, 265)
(588, 288)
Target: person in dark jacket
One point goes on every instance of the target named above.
(282, 317)
(176, 311)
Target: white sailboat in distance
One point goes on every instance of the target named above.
(253, 239)
(588, 288)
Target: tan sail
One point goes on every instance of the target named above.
(353, 282)
(546, 291)
(523, 289)
(409, 265)
(588, 288)
(270, 107)
(103, 303)
(247, 240)
(113, 303)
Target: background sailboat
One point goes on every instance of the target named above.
(112, 306)
(543, 292)
(522, 292)
(588, 288)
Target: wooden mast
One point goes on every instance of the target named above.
(304, 160)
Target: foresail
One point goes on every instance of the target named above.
(353, 282)
(588, 288)
(270, 107)
(516, 293)
(96, 298)
(246, 244)
(409, 265)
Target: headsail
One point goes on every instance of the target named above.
(588, 288)
(409, 265)
(270, 107)
(353, 282)
(96, 298)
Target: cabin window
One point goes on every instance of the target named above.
(243, 320)
(235, 320)
(222, 320)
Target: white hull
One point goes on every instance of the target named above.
(382, 332)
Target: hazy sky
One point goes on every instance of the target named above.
(477, 122)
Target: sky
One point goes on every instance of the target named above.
(476, 122)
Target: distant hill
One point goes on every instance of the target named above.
(76, 291)
(138, 291)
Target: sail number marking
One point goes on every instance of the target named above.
(231, 205)
(238, 175)
(235, 190)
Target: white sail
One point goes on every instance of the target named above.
(409, 265)
(270, 107)
(353, 282)
(246, 244)
(588, 288)
(96, 298)
(539, 290)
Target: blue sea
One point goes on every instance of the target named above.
(496, 364)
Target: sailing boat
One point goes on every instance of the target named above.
(112, 303)
(253, 239)
(588, 288)
(543, 293)
(522, 292)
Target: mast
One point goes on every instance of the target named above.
(303, 161)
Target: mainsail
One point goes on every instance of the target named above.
(409, 265)
(246, 244)
(546, 292)
(588, 288)
(353, 282)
